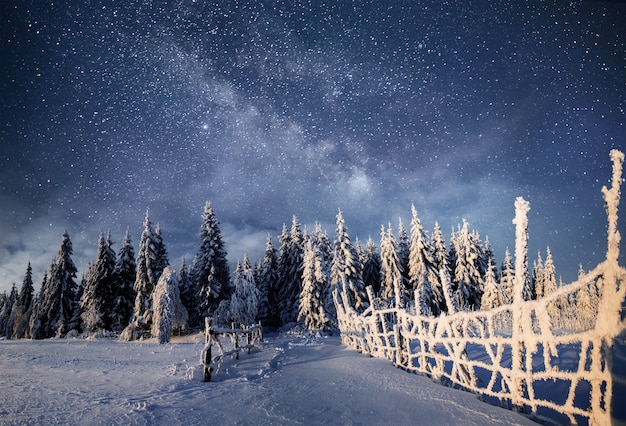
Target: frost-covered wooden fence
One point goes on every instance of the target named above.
(251, 335)
(520, 353)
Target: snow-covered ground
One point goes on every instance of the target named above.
(290, 379)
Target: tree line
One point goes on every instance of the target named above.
(142, 296)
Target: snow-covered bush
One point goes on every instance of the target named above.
(169, 312)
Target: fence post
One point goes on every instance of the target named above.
(521, 265)
(208, 335)
(235, 341)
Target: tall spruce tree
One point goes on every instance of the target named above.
(57, 310)
(440, 256)
(24, 305)
(507, 278)
(422, 268)
(371, 266)
(124, 274)
(492, 296)
(391, 271)
(404, 251)
(244, 300)
(315, 285)
(98, 296)
(324, 256)
(537, 277)
(267, 278)
(346, 268)
(7, 321)
(468, 268)
(149, 269)
(289, 283)
(209, 275)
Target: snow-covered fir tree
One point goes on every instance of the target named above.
(538, 278)
(422, 266)
(162, 260)
(98, 298)
(320, 240)
(148, 273)
(169, 312)
(57, 311)
(7, 321)
(209, 276)
(244, 300)
(440, 256)
(549, 274)
(183, 285)
(451, 306)
(492, 295)
(27, 291)
(468, 272)
(371, 266)
(346, 268)
(289, 283)
(22, 307)
(507, 278)
(124, 294)
(267, 277)
(391, 273)
(404, 251)
(315, 287)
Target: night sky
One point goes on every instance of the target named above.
(270, 109)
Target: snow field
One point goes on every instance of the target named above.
(289, 379)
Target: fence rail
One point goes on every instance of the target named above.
(252, 335)
(512, 352)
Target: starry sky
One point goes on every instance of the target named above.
(270, 109)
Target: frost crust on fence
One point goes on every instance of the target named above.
(508, 352)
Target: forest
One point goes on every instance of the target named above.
(139, 296)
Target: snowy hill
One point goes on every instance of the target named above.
(290, 379)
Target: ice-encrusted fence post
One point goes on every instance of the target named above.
(522, 207)
(206, 353)
(612, 292)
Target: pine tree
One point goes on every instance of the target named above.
(267, 279)
(209, 276)
(440, 255)
(507, 278)
(371, 266)
(289, 283)
(23, 306)
(7, 322)
(58, 304)
(162, 260)
(27, 291)
(538, 278)
(324, 252)
(549, 274)
(346, 268)
(391, 273)
(184, 284)
(404, 251)
(422, 268)
(124, 294)
(98, 299)
(492, 296)
(446, 287)
(244, 300)
(148, 273)
(315, 284)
